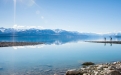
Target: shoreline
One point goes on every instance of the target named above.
(9, 44)
(111, 42)
(113, 68)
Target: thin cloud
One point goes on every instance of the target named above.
(26, 27)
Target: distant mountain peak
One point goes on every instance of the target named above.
(58, 30)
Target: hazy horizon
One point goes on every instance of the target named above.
(37, 27)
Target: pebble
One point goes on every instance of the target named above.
(55, 74)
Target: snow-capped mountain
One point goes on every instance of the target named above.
(45, 32)
(35, 32)
(49, 36)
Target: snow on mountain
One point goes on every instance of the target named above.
(34, 31)
(58, 30)
(2, 29)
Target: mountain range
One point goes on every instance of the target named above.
(38, 32)
(49, 36)
(50, 32)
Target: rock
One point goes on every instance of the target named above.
(73, 72)
(49, 65)
(112, 68)
(84, 74)
(99, 69)
(114, 63)
(55, 74)
(48, 70)
(118, 62)
(1, 68)
(88, 63)
(27, 72)
(113, 72)
(62, 72)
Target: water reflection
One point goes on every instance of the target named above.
(50, 59)
(58, 40)
(106, 43)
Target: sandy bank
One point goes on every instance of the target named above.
(9, 44)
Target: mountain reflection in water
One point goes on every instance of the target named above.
(47, 39)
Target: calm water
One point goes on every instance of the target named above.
(48, 59)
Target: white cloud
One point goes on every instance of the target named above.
(18, 26)
(26, 27)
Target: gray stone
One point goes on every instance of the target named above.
(99, 69)
(55, 74)
(113, 72)
(112, 68)
(73, 72)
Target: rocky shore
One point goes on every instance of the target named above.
(8, 44)
(113, 68)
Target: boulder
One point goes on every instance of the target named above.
(88, 63)
(73, 72)
(112, 68)
(113, 72)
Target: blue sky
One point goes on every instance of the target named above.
(75, 15)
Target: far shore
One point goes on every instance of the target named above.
(111, 42)
(9, 44)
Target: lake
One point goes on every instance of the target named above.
(55, 57)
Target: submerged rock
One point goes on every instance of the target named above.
(1, 68)
(48, 70)
(49, 65)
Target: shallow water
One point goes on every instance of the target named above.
(55, 58)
